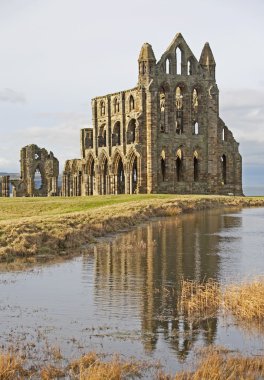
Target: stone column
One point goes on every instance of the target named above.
(5, 186)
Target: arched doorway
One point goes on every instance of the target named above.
(105, 178)
(131, 132)
(91, 177)
(120, 176)
(223, 162)
(195, 167)
(179, 166)
(134, 179)
(37, 179)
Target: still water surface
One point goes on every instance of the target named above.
(122, 297)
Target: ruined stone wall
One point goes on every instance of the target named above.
(39, 172)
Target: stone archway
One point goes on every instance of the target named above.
(105, 178)
(91, 175)
(120, 177)
(118, 174)
(133, 174)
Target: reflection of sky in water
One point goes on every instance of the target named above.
(123, 296)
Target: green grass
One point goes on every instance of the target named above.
(15, 208)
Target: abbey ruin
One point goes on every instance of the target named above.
(162, 136)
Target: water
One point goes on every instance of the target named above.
(122, 297)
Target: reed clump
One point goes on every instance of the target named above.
(11, 367)
(246, 302)
(199, 300)
(91, 367)
(220, 364)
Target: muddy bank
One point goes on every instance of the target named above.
(49, 237)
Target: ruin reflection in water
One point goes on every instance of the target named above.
(122, 297)
(150, 262)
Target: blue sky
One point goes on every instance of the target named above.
(56, 55)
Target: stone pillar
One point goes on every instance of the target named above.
(5, 186)
(54, 186)
(85, 185)
(65, 190)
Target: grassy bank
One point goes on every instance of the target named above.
(213, 363)
(35, 229)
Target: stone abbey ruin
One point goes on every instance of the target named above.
(162, 136)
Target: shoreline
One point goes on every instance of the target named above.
(64, 226)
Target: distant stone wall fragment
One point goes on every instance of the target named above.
(39, 173)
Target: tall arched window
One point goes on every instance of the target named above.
(196, 128)
(178, 166)
(179, 111)
(37, 179)
(223, 134)
(116, 136)
(105, 178)
(102, 108)
(195, 167)
(102, 136)
(120, 177)
(167, 66)
(131, 131)
(162, 110)
(189, 68)
(116, 105)
(163, 164)
(134, 179)
(223, 163)
(178, 61)
(163, 169)
(195, 102)
(131, 103)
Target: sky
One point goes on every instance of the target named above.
(56, 55)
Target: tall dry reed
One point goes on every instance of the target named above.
(246, 302)
(222, 365)
(11, 367)
(199, 300)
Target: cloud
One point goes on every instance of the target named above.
(10, 96)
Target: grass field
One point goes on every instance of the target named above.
(37, 229)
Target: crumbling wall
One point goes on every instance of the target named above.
(39, 173)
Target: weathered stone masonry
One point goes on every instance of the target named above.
(163, 136)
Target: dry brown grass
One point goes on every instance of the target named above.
(11, 367)
(36, 229)
(218, 364)
(214, 364)
(50, 372)
(246, 302)
(91, 367)
(199, 300)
